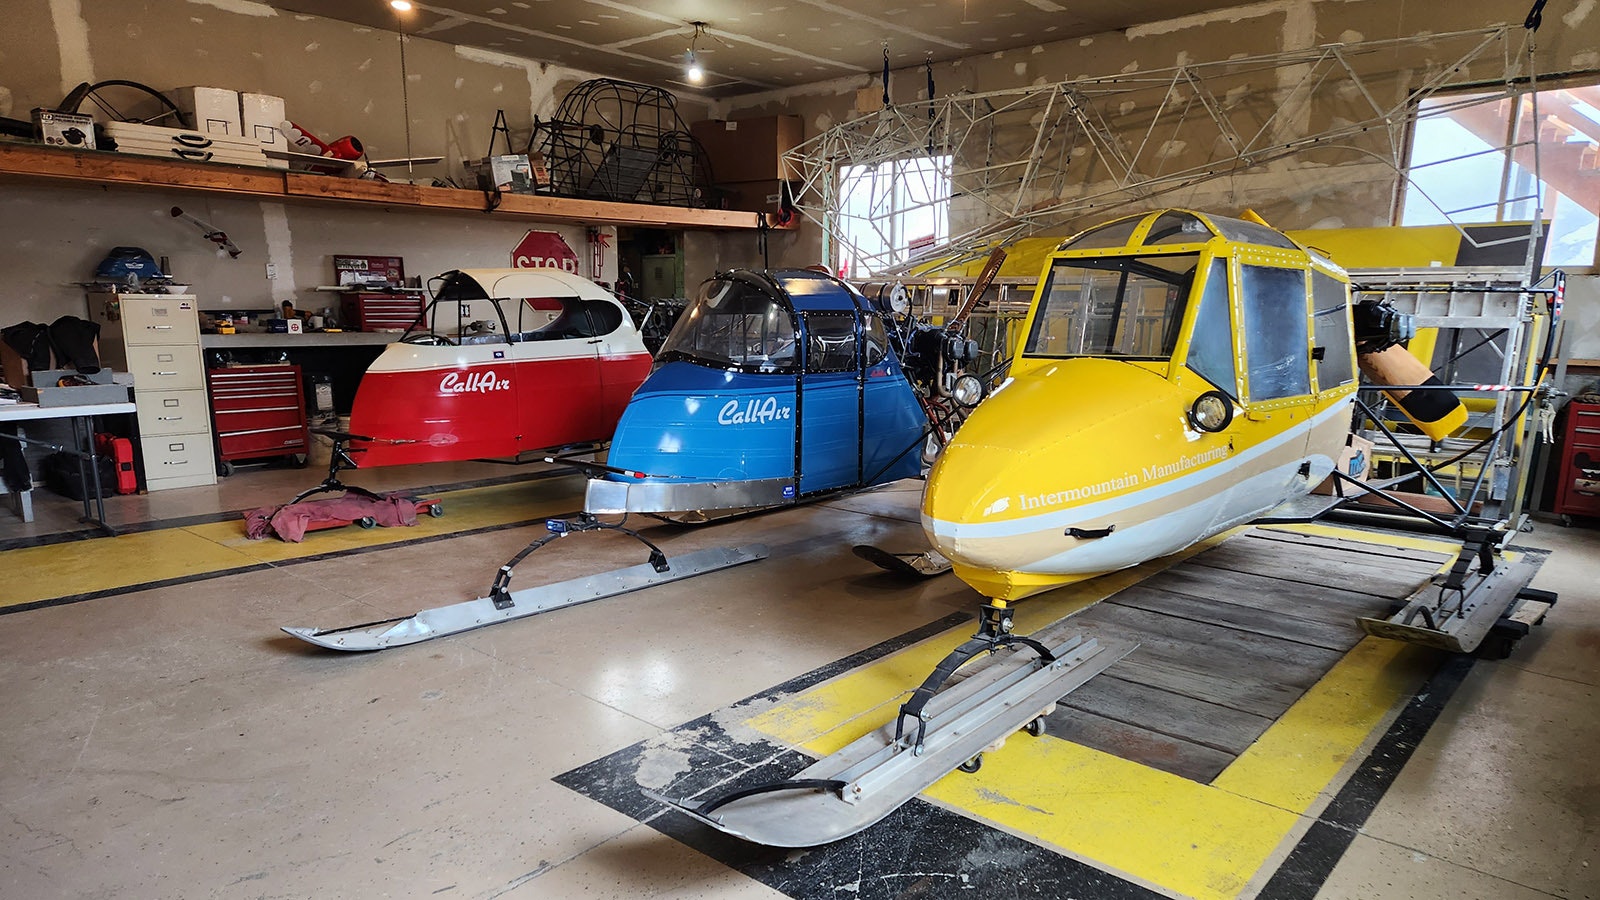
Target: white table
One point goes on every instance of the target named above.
(30, 412)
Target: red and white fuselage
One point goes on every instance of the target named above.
(558, 368)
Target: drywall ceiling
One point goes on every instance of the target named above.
(748, 46)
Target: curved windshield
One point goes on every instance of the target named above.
(734, 324)
(1130, 307)
(1104, 237)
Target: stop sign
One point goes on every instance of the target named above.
(544, 250)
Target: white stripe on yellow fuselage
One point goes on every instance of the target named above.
(1093, 444)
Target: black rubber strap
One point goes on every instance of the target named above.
(772, 787)
(947, 667)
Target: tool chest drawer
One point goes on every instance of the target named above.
(258, 411)
(365, 311)
(1578, 491)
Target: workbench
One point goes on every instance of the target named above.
(22, 503)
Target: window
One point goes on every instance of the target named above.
(1459, 170)
(1106, 237)
(733, 324)
(1130, 307)
(1331, 331)
(876, 338)
(889, 211)
(1273, 302)
(830, 342)
(1211, 345)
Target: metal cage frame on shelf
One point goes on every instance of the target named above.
(624, 142)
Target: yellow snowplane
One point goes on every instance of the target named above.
(1181, 373)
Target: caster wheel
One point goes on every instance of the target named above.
(300, 460)
(367, 522)
(1566, 521)
(224, 468)
(436, 510)
(1036, 727)
(972, 765)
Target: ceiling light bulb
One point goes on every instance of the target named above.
(695, 72)
(401, 5)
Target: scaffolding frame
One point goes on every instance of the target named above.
(1031, 160)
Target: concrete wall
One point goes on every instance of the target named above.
(336, 78)
(1330, 190)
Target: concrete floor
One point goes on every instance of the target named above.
(173, 743)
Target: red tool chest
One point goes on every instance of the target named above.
(1578, 492)
(258, 412)
(368, 311)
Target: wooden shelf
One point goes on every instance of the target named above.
(35, 164)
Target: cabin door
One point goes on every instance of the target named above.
(1279, 400)
(558, 364)
(830, 403)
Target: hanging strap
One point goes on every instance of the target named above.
(885, 73)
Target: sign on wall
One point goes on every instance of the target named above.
(544, 250)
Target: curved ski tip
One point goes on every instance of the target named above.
(315, 636)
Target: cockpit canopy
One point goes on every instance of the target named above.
(776, 323)
(1182, 287)
(480, 306)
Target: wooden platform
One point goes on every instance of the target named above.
(1228, 640)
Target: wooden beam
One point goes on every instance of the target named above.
(33, 162)
(28, 163)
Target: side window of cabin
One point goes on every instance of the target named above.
(830, 342)
(1273, 301)
(876, 338)
(1330, 299)
(534, 313)
(603, 317)
(1211, 346)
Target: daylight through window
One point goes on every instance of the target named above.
(889, 211)
(1461, 171)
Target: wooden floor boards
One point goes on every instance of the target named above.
(1228, 641)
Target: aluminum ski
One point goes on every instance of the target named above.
(484, 611)
(873, 776)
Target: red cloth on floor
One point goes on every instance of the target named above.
(291, 521)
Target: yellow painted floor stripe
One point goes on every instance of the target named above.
(1202, 841)
(1400, 541)
(69, 569)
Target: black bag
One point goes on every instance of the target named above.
(32, 342)
(61, 475)
(73, 340)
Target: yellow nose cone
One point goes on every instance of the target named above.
(1062, 435)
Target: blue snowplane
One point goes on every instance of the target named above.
(773, 388)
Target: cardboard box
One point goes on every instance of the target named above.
(511, 173)
(260, 115)
(741, 150)
(212, 110)
(62, 129)
(13, 368)
(15, 372)
(541, 172)
(755, 196)
(1354, 460)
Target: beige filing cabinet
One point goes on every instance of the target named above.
(156, 339)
